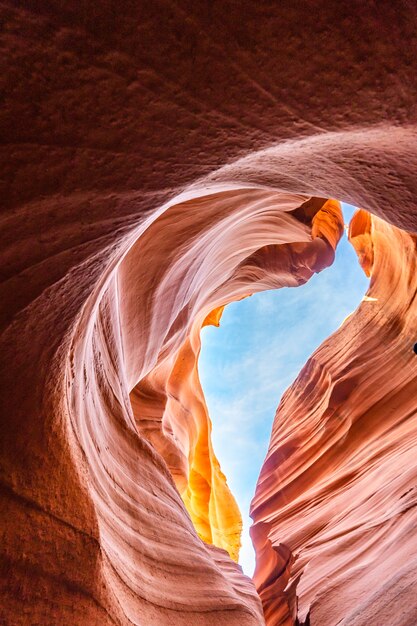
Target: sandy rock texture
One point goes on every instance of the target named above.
(335, 504)
(159, 160)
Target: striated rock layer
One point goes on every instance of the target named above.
(168, 403)
(158, 161)
(336, 502)
(151, 550)
(149, 564)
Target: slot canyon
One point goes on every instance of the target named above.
(160, 161)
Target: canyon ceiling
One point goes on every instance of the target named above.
(158, 161)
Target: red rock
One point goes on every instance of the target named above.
(335, 495)
(154, 159)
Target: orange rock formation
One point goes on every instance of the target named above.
(168, 403)
(160, 160)
(333, 498)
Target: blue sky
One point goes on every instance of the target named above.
(246, 365)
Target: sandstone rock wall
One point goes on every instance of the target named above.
(153, 158)
(335, 504)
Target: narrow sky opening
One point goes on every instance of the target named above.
(246, 365)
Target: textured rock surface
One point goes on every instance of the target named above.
(335, 504)
(250, 248)
(110, 114)
(151, 550)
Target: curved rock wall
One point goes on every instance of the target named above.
(145, 327)
(116, 119)
(227, 246)
(335, 504)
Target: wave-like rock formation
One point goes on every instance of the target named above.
(336, 503)
(160, 160)
(152, 552)
(138, 333)
(168, 403)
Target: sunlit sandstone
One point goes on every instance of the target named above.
(168, 404)
(154, 160)
(333, 499)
